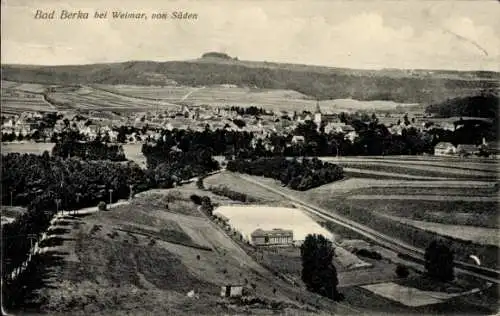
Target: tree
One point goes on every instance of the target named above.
(402, 271)
(318, 272)
(439, 261)
(206, 204)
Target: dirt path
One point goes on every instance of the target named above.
(189, 93)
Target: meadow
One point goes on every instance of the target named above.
(27, 148)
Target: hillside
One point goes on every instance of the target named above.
(408, 86)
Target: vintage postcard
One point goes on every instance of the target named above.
(249, 157)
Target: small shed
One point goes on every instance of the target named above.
(231, 291)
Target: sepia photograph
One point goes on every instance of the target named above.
(250, 157)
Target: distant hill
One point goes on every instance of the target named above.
(406, 86)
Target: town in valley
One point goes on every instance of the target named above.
(224, 185)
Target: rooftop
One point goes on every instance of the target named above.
(273, 232)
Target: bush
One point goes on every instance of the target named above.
(369, 254)
(101, 206)
(223, 190)
(196, 199)
(402, 271)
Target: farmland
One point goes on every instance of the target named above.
(15, 101)
(471, 202)
(18, 96)
(86, 97)
(163, 93)
(223, 95)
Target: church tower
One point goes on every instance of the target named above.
(317, 115)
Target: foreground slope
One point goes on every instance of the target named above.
(142, 259)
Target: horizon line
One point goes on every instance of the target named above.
(251, 61)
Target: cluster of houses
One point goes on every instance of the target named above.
(199, 117)
(24, 124)
(448, 149)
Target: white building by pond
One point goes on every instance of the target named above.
(288, 223)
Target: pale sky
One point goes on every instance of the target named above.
(462, 35)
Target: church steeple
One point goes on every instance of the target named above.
(318, 110)
(317, 116)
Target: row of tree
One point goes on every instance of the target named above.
(251, 110)
(298, 175)
(92, 150)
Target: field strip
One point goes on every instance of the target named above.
(104, 93)
(390, 174)
(411, 296)
(121, 95)
(427, 197)
(428, 184)
(479, 235)
(441, 169)
(463, 163)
